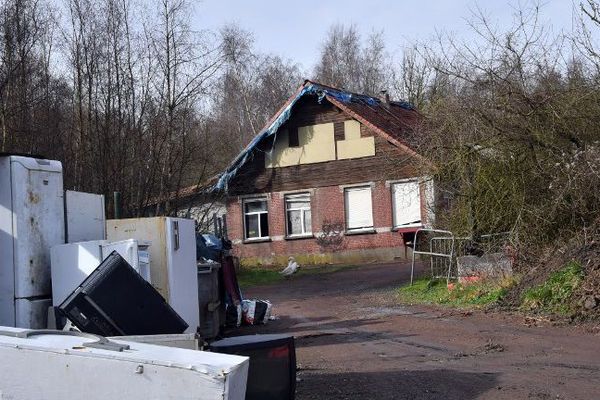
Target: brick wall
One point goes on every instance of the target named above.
(327, 203)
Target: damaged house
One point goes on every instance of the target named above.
(331, 178)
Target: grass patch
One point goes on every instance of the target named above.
(553, 295)
(248, 277)
(424, 291)
(256, 277)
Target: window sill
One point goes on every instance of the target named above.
(257, 240)
(407, 228)
(299, 237)
(369, 231)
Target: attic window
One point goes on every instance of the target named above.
(293, 137)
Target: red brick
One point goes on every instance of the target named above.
(327, 203)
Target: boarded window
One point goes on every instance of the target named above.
(359, 208)
(406, 202)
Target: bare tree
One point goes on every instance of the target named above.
(348, 64)
(251, 88)
(510, 116)
(413, 80)
(340, 62)
(25, 85)
(185, 64)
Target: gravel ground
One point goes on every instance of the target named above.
(355, 341)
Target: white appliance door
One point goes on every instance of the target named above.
(38, 222)
(144, 261)
(146, 231)
(183, 273)
(71, 264)
(135, 254)
(7, 269)
(128, 249)
(85, 216)
(32, 313)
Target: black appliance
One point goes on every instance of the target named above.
(272, 370)
(114, 300)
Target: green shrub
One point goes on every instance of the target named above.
(553, 295)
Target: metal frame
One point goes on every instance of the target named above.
(431, 253)
(449, 257)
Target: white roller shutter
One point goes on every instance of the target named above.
(359, 208)
(407, 203)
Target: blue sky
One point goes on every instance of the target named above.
(295, 29)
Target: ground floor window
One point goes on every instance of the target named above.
(298, 216)
(406, 203)
(359, 208)
(256, 219)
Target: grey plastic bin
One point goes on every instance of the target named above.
(210, 304)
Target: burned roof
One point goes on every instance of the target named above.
(394, 120)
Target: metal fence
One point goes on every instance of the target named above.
(441, 248)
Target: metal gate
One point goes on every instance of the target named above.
(442, 255)
(444, 248)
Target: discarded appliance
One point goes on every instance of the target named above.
(173, 254)
(31, 221)
(84, 216)
(180, 340)
(73, 262)
(272, 372)
(211, 301)
(56, 365)
(114, 300)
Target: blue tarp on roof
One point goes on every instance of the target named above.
(309, 88)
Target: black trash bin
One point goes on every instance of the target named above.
(210, 302)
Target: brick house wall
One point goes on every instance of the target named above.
(325, 181)
(327, 203)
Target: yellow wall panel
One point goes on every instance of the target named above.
(351, 129)
(355, 148)
(317, 144)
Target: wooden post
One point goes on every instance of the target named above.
(117, 205)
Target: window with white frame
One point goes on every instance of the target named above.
(406, 203)
(256, 219)
(359, 208)
(297, 215)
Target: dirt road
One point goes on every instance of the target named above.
(354, 341)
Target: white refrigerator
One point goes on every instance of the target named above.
(55, 365)
(73, 262)
(31, 222)
(173, 254)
